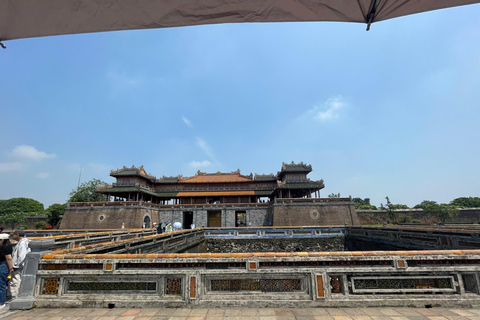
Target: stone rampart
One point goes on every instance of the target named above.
(106, 217)
(132, 214)
(314, 214)
(465, 215)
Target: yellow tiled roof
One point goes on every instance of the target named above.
(216, 178)
(216, 193)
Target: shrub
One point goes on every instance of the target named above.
(40, 225)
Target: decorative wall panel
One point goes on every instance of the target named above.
(263, 285)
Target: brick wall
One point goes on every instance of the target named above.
(468, 215)
(314, 214)
(106, 218)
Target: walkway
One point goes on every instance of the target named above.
(246, 314)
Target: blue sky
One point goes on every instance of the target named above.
(389, 112)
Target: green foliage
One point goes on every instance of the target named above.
(334, 195)
(424, 203)
(24, 227)
(86, 192)
(13, 218)
(404, 218)
(416, 221)
(441, 211)
(466, 202)
(365, 207)
(398, 206)
(363, 204)
(28, 206)
(54, 212)
(40, 225)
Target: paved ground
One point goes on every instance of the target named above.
(247, 314)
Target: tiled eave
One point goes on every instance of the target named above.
(301, 186)
(127, 189)
(444, 254)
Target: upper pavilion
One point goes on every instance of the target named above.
(134, 184)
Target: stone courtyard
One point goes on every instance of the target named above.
(246, 314)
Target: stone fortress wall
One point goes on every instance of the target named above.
(465, 215)
(288, 212)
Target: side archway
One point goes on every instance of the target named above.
(147, 221)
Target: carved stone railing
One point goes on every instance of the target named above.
(413, 237)
(274, 232)
(274, 279)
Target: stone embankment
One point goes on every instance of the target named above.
(275, 245)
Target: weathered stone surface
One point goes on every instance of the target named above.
(314, 214)
(275, 245)
(465, 215)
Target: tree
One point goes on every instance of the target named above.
(399, 206)
(466, 202)
(363, 204)
(442, 211)
(424, 203)
(86, 192)
(54, 212)
(25, 205)
(13, 218)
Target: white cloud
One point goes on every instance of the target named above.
(12, 166)
(30, 153)
(122, 80)
(42, 175)
(199, 164)
(187, 122)
(329, 111)
(206, 148)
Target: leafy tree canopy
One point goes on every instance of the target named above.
(398, 206)
(442, 211)
(466, 202)
(391, 206)
(86, 192)
(54, 212)
(424, 203)
(12, 218)
(15, 205)
(363, 204)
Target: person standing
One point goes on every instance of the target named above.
(159, 228)
(6, 266)
(19, 253)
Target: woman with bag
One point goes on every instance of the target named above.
(5, 266)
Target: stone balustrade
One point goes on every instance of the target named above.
(272, 279)
(67, 239)
(132, 273)
(414, 237)
(274, 232)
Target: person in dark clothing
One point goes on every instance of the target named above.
(6, 266)
(159, 228)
